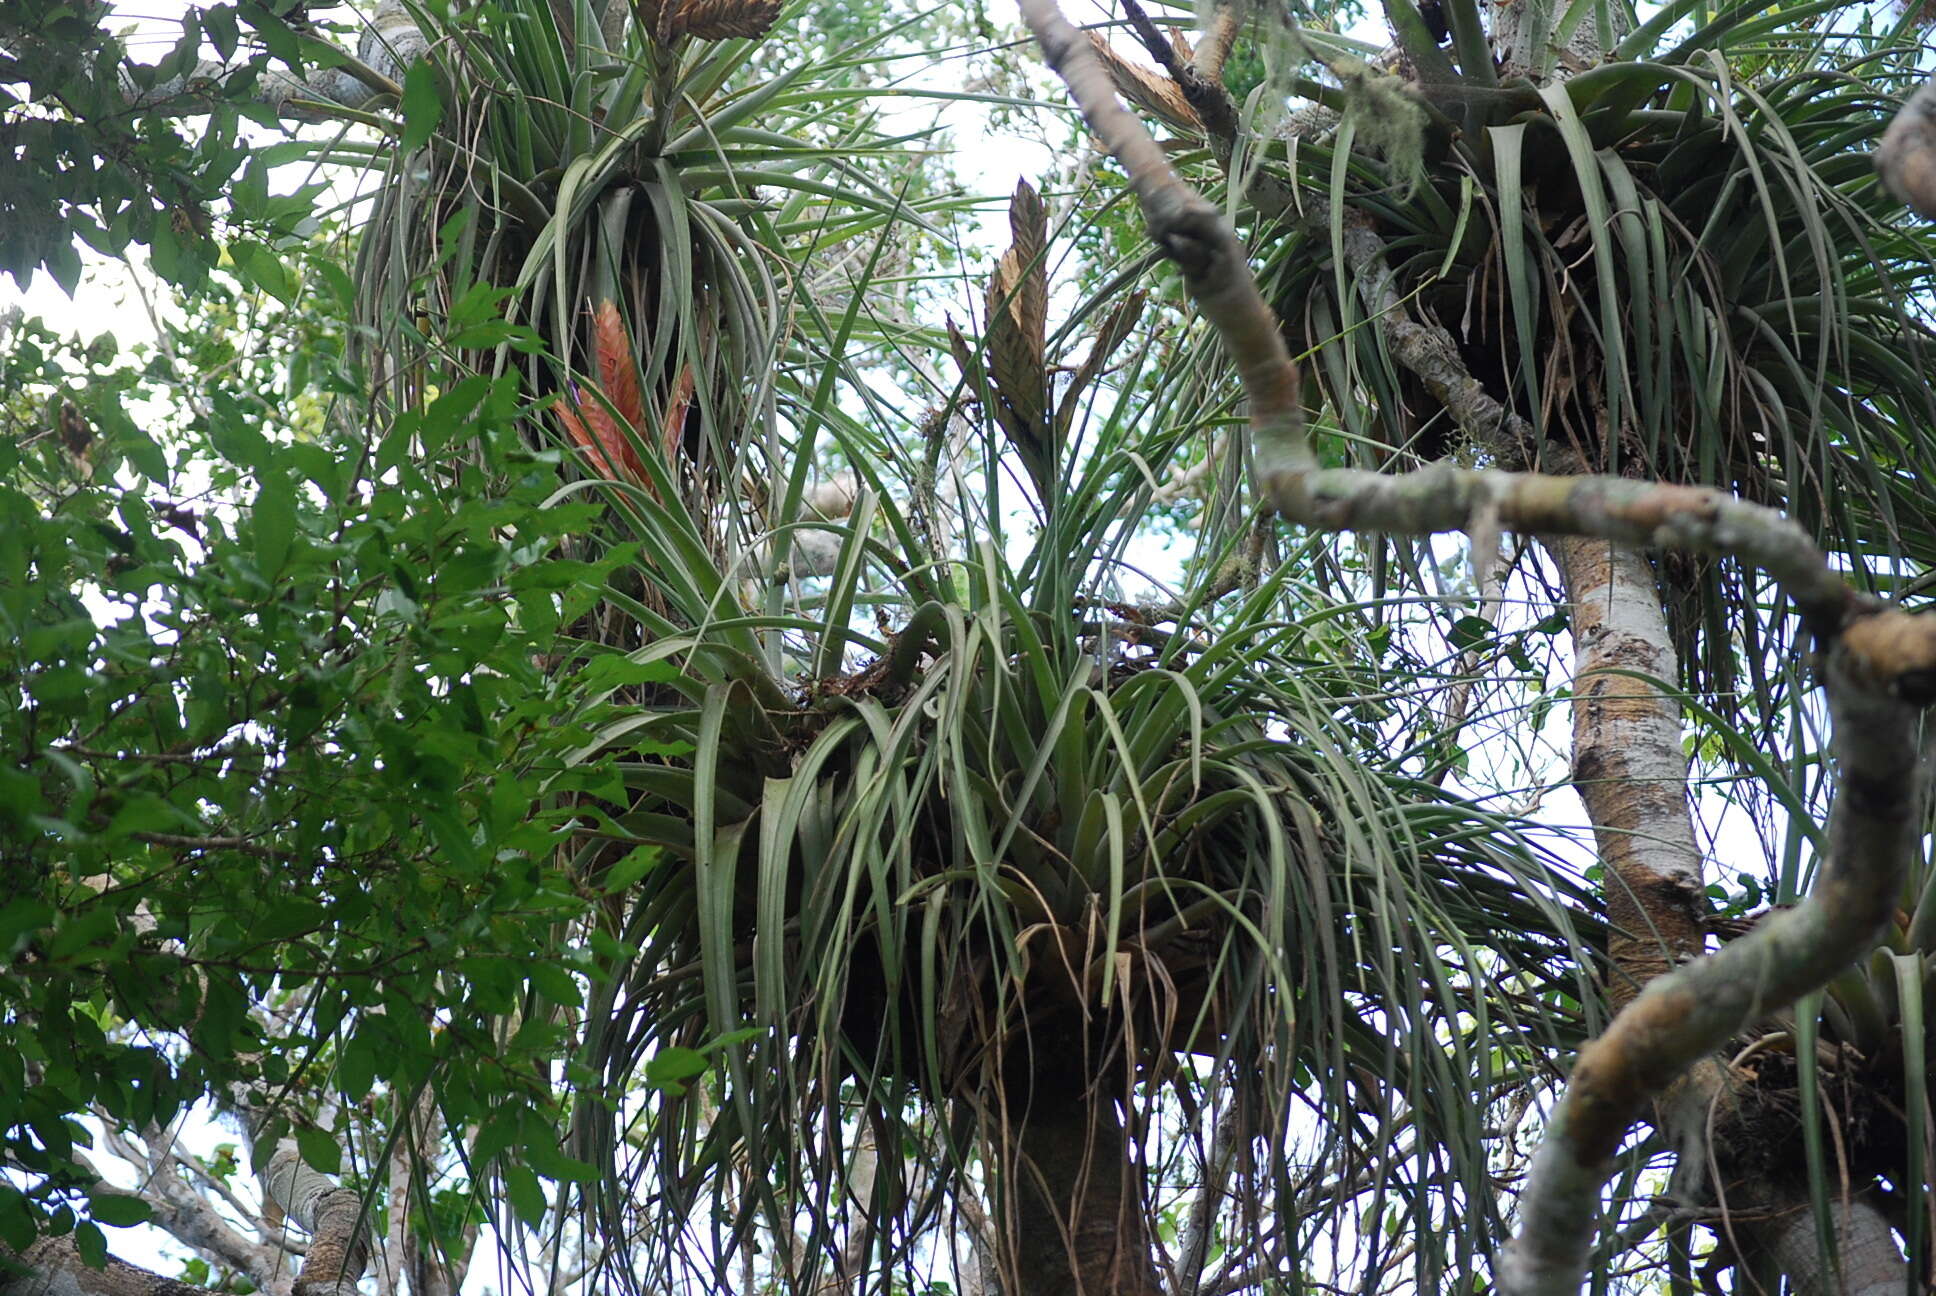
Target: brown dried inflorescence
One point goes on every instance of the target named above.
(708, 19)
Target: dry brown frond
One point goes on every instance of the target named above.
(718, 19)
(677, 408)
(1018, 309)
(1180, 47)
(965, 358)
(1155, 94)
(1114, 331)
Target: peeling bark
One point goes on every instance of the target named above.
(1630, 772)
(55, 1268)
(1875, 697)
(1193, 1239)
(971, 1243)
(1628, 766)
(1524, 38)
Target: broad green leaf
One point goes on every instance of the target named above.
(423, 107)
(118, 1211)
(526, 1194)
(92, 1244)
(672, 1066)
(273, 521)
(320, 1149)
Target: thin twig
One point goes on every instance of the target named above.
(241, 845)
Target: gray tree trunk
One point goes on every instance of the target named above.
(1871, 1264)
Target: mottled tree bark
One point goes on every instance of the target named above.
(1528, 45)
(335, 1216)
(53, 1267)
(1628, 765)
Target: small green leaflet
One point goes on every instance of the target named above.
(274, 523)
(319, 1149)
(555, 984)
(356, 1069)
(257, 265)
(1469, 632)
(92, 1244)
(671, 1067)
(526, 1194)
(630, 869)
(422, 108)
(117, 1211)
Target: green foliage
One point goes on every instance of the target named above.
(78, 169)
(891, 852)
(1679, 263)
(276, 732)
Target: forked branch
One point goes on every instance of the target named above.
(1191, 232)
(1879, 670)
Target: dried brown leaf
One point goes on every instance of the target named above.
(1180, 46)
(1148, 89)
(1115, 328)
(718, 19)
(677, 409)
(1018, 310)
(965, 358)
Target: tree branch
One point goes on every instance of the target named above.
(54, 1267)
(1220, 33)
(191, 1218)
(1425, 348)
(1880, 672)
(1906, 158)
(1205, 95)
(388, 45)
(1193, 1240)
(1190, 232)
(339, 1246)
